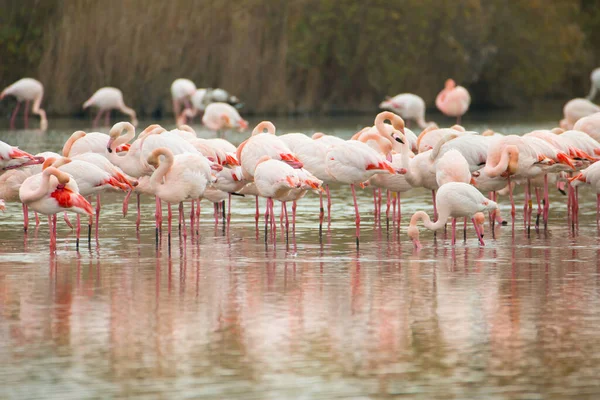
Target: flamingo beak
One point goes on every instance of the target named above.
(109, 145)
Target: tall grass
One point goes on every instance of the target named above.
(299, 55)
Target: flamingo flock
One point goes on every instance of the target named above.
(178, 167)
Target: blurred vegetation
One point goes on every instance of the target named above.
(301, 56)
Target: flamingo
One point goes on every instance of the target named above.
(198, 105)
(589, 125)
(182, 91)
(12, 157)
(453, 100)
(90, 179)
(273, 178)
(354, 162)
(53, 191)
(11, 181)
(178, 178)
(27, 89)
(106, 99)
(595, 81)
(454, 199)
(576, 109)
(409, 106)
(219, 116)
(590, 175)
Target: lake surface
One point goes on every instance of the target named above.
(222, 315)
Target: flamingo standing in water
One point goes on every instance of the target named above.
(27, 89)
(182, 91)
(576, 109)
(354, 162)
(51, 192)
(454, 199)
(218, 116)
(453, 100)
(106, 99)
(178, 178)
(595, 80)
(409, 106)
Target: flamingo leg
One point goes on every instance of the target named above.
(52, 234)
(399, 209)
(170, 220)
(435, 213)
(287, 220)
(182, 216)
(97, 214)
(37, 218)
(67, 220)
(357, 220)
(479, 234)
(107, 118)
(26, 114)
(14, 115)
(321, 213)
(216, 213)
(256, 214)
(78, 231)
(597, 209)
(176, 109)
(540, 209)
(25, 218)
(328, 204)
(453, 231)
(266, 218)
(465, 230)
(512, 202)
(192, 215)
(95, 121)
(546, 202)
(138, 219)
(375, 205)
(294, 205)
(458, 120)
(228, 209)
(387, 208)
(157, 216)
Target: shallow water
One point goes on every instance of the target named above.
(223, 315)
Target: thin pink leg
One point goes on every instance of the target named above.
(67, 220)
(229, 209)
(328, 204)
(453, 231)
(52, 236)
(97, 119)
(294, 205)
(182, 216)
(138, 220)
(479, 234)
(14, 115)
(387, 208)
(435, 213)
(513, 211)
(26, 114)
(458, 120)
(357, 220)
(546, 202)
(37, 219)
(321, 212)
(267, 211)
(170, 220)
(465, 229)
(78, 230)
(107, 118)
(375, 205)
(399, 208)
(25, 218)
(394, 216)
(97, 214)
(287, 220)
(192, 215)
(216, 213)
(157, 213)
(281, 214)
(257, 214)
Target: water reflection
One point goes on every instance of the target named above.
(221, 315)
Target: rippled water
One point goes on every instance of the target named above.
(224, 316)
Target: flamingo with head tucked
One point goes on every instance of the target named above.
(220, 116)
(51, 192)
(453, 100)
(27, 89)
(107, 99)
(409, 106)
(182, 91)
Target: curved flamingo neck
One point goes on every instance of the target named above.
(433, 226)
(69, 143)
(163, 168)
(438, 146)
(384, 143)
(44, 187)
(268, 125)
(117, 138)
(510, 154)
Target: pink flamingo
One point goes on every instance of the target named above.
(354, 162)
(576, 109)
(218, 116)
(273, 178)
(51, 192)
(27, 89)
(589, 125)
(178, 178)
(91, 180)
(595, 81)
(454, 199)
(198, 105)
(182, 91)
(92, 142)
(409, 106)
(453, 100)
(12, 157)
(106, 99)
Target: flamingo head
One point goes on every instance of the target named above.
(450, 84)
(413, 234)
(154, 159)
